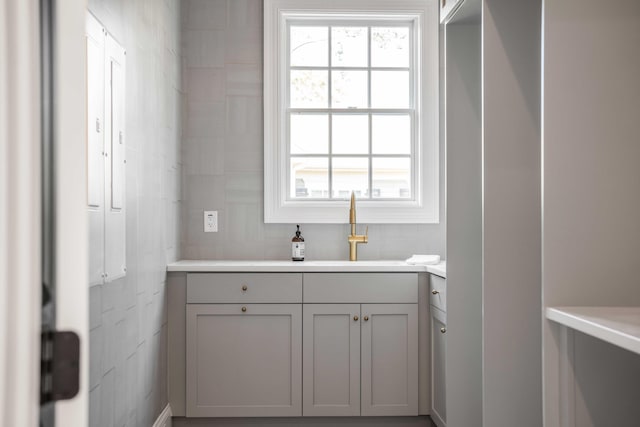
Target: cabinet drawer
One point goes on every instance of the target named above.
(438, 292)
(205, 288)
(361, 288)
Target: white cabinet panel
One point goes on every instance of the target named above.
(95, 114)
(115, 220)
(331, 356)
(117, 132)
(244, 361)
(95, 148)
(389, 359)
(105, 154)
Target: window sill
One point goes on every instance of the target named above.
(337, 212)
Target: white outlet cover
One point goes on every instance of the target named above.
(210, 221)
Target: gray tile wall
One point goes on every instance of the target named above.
(128, 317)
(223, 151)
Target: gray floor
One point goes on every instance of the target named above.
(306, 422)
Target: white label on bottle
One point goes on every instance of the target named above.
(297, 250)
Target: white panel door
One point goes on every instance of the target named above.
(114, 183)
(331, 356)
(244, 360)
(389, 359)
(95, 147)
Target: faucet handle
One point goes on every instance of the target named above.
(366, 231)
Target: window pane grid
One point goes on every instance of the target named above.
(387, 166)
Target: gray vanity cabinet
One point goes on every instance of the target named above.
(360, 350)
(244, 359)
(255, 347)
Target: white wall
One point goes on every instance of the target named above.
(223, 151)
(128, 321)
(591, 202)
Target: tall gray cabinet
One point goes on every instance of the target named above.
(492, 133)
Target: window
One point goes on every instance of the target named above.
(351, 98)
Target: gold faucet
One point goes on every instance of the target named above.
(354, 239)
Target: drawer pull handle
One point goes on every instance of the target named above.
(366, 318)
(443, 330)
(355, 318)
(244, 309)
(244, 287)
(434, 292)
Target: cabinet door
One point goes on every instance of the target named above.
(389, 359)
(95, 148)
(331, 355)
(244, 360)
(438, 361)
(115, 217)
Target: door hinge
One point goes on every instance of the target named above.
(59, 366)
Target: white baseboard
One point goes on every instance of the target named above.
(164, 419)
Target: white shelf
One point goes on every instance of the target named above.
(619, 326)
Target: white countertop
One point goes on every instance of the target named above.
(301, 266)
(439, 269)
(619, 326)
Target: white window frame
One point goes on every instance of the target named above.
(278, 206)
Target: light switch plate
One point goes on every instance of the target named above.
(210, 221)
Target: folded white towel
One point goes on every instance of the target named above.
(423, 259)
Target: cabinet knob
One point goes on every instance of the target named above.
(244, 309)
(244, 287)
(366, 318)
(355, 318)
(434, 292)
(443, 330)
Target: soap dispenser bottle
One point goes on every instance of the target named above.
(297, 246)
